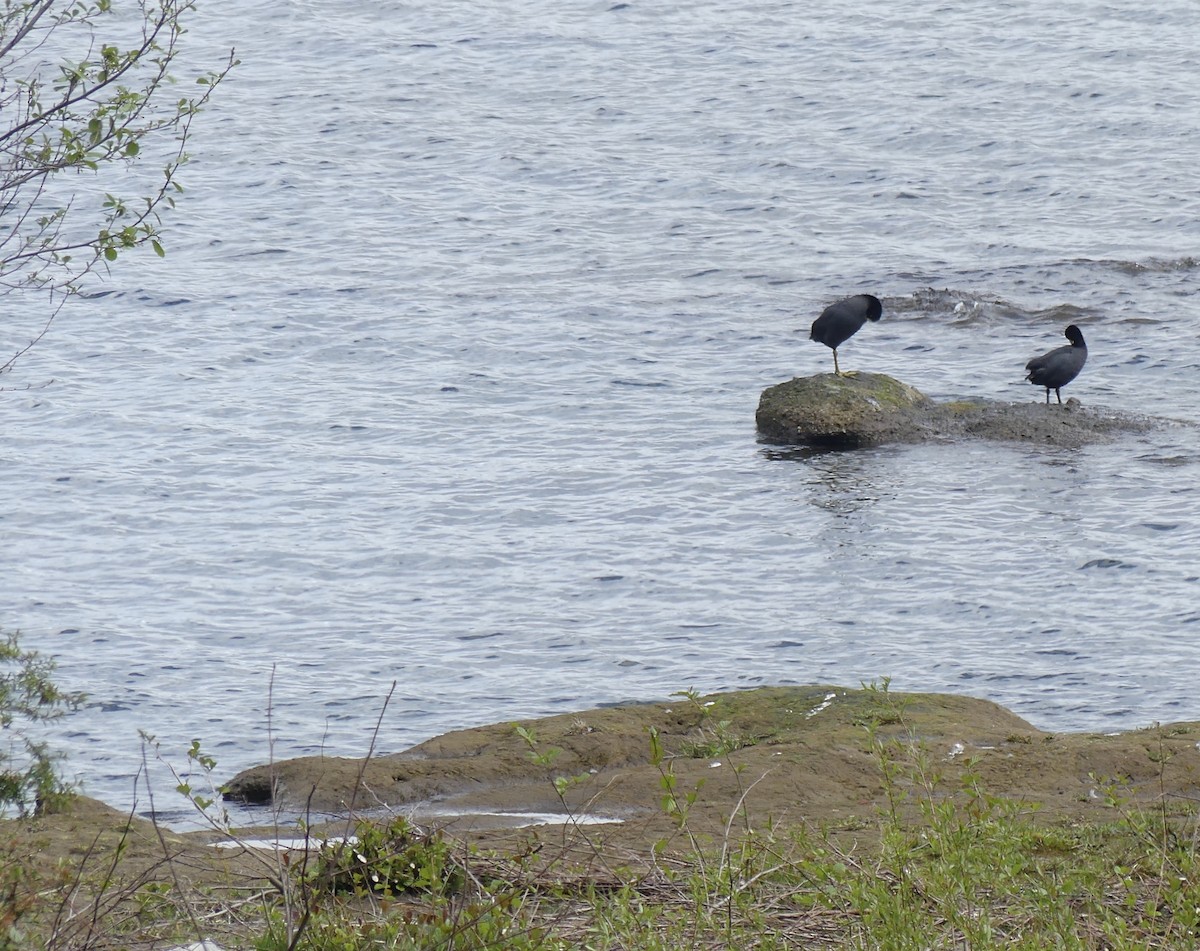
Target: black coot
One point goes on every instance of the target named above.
(1060, 366)
(841, 321)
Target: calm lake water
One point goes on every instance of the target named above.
(448, 378)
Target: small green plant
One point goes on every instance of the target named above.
(673, 803)
(388, 859)
(198, 784)
(18, 897)
(719, 739)
(547, 757)
(883, 708)
(714, 737)
(29, 778)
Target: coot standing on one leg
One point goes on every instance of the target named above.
(1060, 366)
(841, 321)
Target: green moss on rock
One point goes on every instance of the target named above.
(859, 409)
(869, 409)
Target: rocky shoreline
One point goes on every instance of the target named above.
(811, 753)
(609, 798)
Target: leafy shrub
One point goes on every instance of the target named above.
(29, 779)
(388, 859)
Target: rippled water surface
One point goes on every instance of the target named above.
(449, 375)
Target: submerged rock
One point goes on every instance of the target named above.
(871, 409)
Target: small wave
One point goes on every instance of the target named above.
(963, 308)
(646, 383)
(1105, 563)
(967, 309)
(1169, 460)
(1153, 265)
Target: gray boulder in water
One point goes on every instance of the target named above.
(871, 409)
(842, 411)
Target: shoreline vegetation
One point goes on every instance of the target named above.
(815, 817)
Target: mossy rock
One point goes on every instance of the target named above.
(871, 409)
(844, 412)
(809, 753)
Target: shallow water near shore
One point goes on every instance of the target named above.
(448, 379)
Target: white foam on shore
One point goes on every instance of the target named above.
(519, 820)
(829, 698)
(508, 820)
(299, 843)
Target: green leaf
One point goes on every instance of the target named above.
(158, 248)
(110, 254)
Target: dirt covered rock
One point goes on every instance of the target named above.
(782, 758)
(795, 754)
